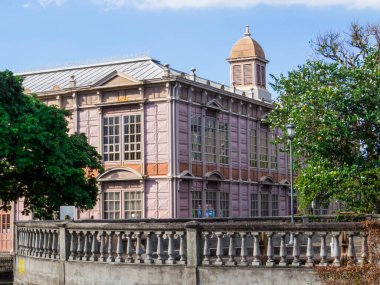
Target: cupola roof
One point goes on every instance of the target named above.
(246, 47)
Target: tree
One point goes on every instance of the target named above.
(39, 161)
(334, 101)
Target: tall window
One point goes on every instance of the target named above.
(273, 154)
(210, 139)
(196, 204)
(111, 205)
(264, 204)
(236, 74)
(130, 131)
(196, 138)
(274, 201)
(224, 204)
(252, 148)
(260, 75)
(132, 205)
(247, 68)
(223, 139)
(132, 137)
(263, 149)
(111, 138)
(210, 204)
(254, 204)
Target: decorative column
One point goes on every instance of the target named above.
(171, 259)
(182, 252)
(129, 247)
(160, 249)
(87, 246)
(283, 252)
(309, 250)
(206, 249)
(335, 236)
(73, 244)
(110, 258)
(80, 246)
(270, 254)
(55, 246)
(231, 250)
(364, 254)
(119, 247)
(219, 248)
(139, 250)
(323, 250)
(256, 250)
(351, 248)
(296, 250)
(148, 258)
(94, 246)
(244, 250)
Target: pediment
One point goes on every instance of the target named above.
(266, 180)
(214, 104)
(116, 78)
(120, 174)
(214, 176)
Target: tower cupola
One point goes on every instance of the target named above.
(248, 67)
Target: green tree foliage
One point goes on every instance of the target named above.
(334, 101)
(39, 161)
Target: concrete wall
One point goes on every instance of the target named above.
(36, 271)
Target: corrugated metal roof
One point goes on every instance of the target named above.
(87, 75)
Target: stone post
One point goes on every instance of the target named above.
(193, 241)
(64, 241)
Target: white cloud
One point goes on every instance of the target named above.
(179, 4)
(45, 3)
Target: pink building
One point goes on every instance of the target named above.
(174, 145)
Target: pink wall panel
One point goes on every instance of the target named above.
(234, 141)
(183, 129)
(157, 198)
(89, 125)
(234, 194)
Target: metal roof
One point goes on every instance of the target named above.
(141, 68)
(86, 75)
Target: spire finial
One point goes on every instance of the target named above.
(247, 32)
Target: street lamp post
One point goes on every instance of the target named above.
(291, 131)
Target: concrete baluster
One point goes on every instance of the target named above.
(110, 257)
(129, 247)
(296, 250)
(80, 247)
(309, 250)
(36, 242)
(231, 250)
(73, 245)
(139, 250)
(243, 249)
(160, 249)
(148, 258)
(206, 249)
(55, 245)
(31, 242)
(256, 250)
(283, 252)
(94, 246)
(351, 248)
(103, 247)
(182, 251)
(335, 236)
(119, 247)
(45, 246)
(50, 244)
(219, 248)
(171, 258)
(41, 243)
(86, 246)
(270, 251)
(364, 253)
(323, 250)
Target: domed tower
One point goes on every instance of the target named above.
(247, 67)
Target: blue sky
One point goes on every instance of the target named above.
(35, 34)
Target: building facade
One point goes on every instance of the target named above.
(174, 145)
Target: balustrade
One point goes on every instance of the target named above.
(218, 243)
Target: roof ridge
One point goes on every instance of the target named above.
(80, 66)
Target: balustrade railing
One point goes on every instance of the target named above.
(196, 243)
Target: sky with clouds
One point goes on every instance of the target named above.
(37, 34)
